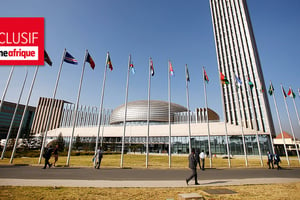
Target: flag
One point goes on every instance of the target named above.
(251, 85)
(206, 77)
(171, 71)
(224, 79)
(47, 58)
(283, 92)
(271, 89)
(90, 60)
(131, 67)
(109, 62)
(151, 67)
(70, 59)
(238, 81)
(187, 73)
(291, 93)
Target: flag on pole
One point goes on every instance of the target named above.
(283, 92)
(187, 74)
(171, 71)
(206, 77)
(131, 66)
(251, 85)
(90, 60)
(47, 58)
(291, 93)
(70, 59)
(238, 81)
(109, 62)
(151, 67)
(271, 89)
(224, 79)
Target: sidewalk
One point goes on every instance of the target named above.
(108, 177)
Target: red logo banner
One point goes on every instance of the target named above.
(21, 41)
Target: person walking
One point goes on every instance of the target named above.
(193, 167)
(277, 160)
(55, 153)
(202, 158)
(270, 160)
(98, 158)
(47, 155)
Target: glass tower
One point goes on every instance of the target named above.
(245, 100)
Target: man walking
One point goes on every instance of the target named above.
(193, 167)
(98, 158)
(47, 155)
(270, 160)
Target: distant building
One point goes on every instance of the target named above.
(6, 115)
(289, 142)
(42, 113)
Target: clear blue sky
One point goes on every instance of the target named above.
(163, 29)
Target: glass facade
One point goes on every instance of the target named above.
(180, 145)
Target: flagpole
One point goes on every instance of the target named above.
(208, 129)
(75, 110)
(148, 116)
(169, 96)
(14, 115)
(101, 107)
(188, 107)
(256, 126)
(226, 132)
(125, 113)
(51, 108)
(275, 103)
(242, 127)
(298, 121)
(6, 87)
(292, 129)
(23, 116)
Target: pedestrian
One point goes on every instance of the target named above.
(277, 160)
(98, 156)
(197, 158)
(47, 155)
(193, 167)
(202, 158)
(55, 153)
(270, 160)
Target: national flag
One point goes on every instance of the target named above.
(251, 85)
(206, 77)
(171, 71)
(291, 93)
(109, 62)
(224, 80)
(283, 92)
(238, 81)
(70, 59)
(47, 58)
(90, 60)
(187, 73)
(151, 67)
(131, 67)
(271, 89)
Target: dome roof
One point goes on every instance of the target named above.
(137, 111)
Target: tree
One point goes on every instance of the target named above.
(77, 142)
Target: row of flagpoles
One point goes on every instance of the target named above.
(67, 57)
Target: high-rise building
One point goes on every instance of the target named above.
(245, 98)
